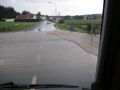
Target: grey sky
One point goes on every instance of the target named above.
(65, 7)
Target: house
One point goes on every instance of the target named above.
(85, 18)
(43, 17)
(9, 20)
(55, 17)
(51, 17)
(27, 16)
(59, 17)
(93, 16)
(88, 17)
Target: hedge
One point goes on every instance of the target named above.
(26, 20)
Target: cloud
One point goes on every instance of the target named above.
(13, 1)
(33, 1)
(44, 1)
(65, 7)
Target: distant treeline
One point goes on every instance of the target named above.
(83, 17)
(7, 12)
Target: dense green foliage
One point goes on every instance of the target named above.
(67, 17)
(77, 17)
(39, 16)
(7, 12)
(61, 21)
(26, 20)
(25, 12)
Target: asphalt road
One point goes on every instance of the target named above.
(38, 57)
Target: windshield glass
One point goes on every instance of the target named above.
(49, 41)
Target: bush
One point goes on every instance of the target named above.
(26, 20)
(89, 28)
(96, 28)
(61, 21)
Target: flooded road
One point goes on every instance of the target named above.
(47, 59)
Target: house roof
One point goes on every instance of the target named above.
(25, 16)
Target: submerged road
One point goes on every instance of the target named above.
(37, 57)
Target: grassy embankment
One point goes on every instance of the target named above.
(83, 26)
(15, 26)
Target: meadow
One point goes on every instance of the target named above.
(15, 26)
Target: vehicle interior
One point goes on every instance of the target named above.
(108, 70)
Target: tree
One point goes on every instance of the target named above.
(7, 12)
(77, 17)
(39, 15)
(25, 12)
(89, 28)
(67, 17)
(61, 21)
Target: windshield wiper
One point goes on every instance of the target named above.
(35, 86)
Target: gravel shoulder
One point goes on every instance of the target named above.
(82, 40)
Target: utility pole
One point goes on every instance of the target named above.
(92, 32)
(5, 25)
(55, 9)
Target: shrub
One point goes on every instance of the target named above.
(89, 28)
(26, 20)
(61, 21)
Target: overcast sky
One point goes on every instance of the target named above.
(65, 7)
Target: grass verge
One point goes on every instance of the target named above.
(15, 26)
(83, 26)
(67, 28)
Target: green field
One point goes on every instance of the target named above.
(83, 26)
(15, 26)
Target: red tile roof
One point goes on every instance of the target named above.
(27, 16)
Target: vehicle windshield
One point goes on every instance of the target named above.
(49, 41)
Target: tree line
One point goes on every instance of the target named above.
(7, 12)
(10, 12)
(81, 17)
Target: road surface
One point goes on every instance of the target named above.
(82, 40)
(37, 57)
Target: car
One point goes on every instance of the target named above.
(48, 22)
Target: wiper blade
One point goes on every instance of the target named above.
(35, 86)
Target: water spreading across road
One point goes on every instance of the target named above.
(42, 58)
(45, 26)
